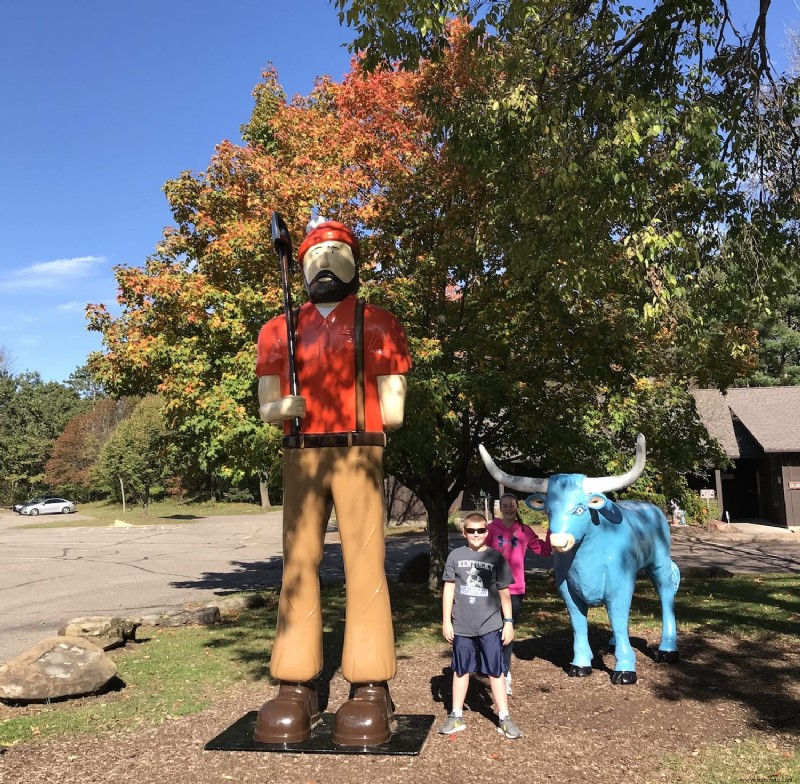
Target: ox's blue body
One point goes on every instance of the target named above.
(613, 542)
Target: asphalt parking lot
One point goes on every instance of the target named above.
(49, 575)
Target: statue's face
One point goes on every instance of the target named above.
(330, 271)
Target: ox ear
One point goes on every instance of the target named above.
(597, 501)
(612, 513)
(608, 509)
(537, 502)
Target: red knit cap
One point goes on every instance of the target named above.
(329, 231)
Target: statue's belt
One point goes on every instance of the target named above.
(353, 438)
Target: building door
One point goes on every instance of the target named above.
(740, 490)
(791, 493)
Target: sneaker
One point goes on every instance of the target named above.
(453, 724)
(508, 683)
(507, 727)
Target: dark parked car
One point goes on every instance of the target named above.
(49, 505)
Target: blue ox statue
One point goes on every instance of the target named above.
(599, 546)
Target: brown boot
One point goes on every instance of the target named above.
(289, 717)
(364, 720)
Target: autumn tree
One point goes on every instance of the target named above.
(191, 314)
(76, 452)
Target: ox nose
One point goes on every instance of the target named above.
(562, 543)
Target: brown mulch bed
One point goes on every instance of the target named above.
(575, 729)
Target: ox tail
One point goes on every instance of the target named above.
(676, 577)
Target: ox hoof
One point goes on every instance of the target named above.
(623, 677)
(666, 656)
(579, 672)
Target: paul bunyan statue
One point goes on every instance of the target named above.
(351, 359)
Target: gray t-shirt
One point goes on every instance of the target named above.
(478, 577)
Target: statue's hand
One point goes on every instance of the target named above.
(292, 406)
(287, 407)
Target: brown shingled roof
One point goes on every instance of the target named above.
(770, 414)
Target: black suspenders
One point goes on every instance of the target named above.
(359, 359)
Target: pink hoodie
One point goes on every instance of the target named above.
(512, 543)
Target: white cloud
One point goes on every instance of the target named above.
(71, 306)
(50, 274)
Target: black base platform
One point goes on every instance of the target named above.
(408, 738)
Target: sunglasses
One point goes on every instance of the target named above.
(475, 530)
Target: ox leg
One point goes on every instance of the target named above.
(618, 614)
(581, 664)
(666, 579)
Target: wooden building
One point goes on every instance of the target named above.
(758, 428)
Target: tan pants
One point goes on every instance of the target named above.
(352, 479)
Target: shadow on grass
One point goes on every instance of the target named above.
(257, 575)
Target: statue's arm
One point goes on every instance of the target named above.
(274, 408)
(392, 394)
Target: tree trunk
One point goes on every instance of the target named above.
(437, 508)
(263, 489)
(122, 490)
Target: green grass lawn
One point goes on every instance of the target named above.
(158, 513)
(181, 671)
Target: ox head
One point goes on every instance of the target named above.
(572, 501)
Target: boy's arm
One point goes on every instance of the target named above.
(448, 593)
(505, 606)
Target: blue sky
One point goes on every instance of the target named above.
(102, 102)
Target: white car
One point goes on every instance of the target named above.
(18, 507)
(48, 506)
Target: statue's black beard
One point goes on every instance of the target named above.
(326, 287)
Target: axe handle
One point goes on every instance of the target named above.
(280, 235)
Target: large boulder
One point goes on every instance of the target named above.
(55, 668)
(105, 631)
(231, 606)
(187, 616)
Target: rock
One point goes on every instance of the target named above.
(188, 616)
(416, 569)
(55, 668)
(233, 605)
(105, 631)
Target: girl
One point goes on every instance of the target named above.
(511, 537)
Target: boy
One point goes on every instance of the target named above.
(476, 580)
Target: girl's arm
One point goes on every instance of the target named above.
(537, 545)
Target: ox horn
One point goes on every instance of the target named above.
(514, 482)
(606, 484)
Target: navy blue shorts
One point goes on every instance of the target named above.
(486, 650)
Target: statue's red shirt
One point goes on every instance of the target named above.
(326, 363)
